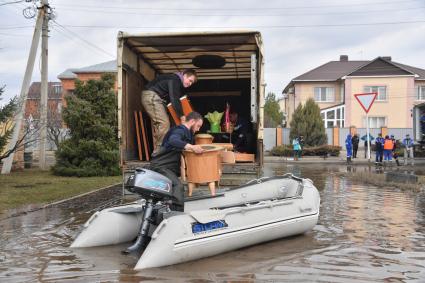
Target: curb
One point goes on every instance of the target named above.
(78, 196)
(19, 213)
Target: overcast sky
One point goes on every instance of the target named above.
(298, 35)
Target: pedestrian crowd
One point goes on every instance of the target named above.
(385, 149)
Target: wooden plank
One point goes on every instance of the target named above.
(139, 147)
(145, 139)
(244, 157)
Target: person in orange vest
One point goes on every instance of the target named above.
(388, 148)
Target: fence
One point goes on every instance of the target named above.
(336, 136)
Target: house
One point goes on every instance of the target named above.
(334, 84)
(56, 94)
(93, 72)
(32, 118)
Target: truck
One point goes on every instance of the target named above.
(230, 69)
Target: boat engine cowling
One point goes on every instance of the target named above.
(150, 185)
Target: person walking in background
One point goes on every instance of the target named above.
(388, 149)
(296, 147)
(349, 147)
(301, 141)
(408, 149)
(365, 148)
(379, 147)
(355, 141)
(395, 155)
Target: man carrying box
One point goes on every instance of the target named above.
(158, 93)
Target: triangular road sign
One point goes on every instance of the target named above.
(366, 100)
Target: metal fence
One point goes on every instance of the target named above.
(269, 138)
(330, 135)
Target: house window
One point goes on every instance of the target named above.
(376, 122)
(57, 89)
(381, 90)
(420, 93)
(333, 116)
(324, 94)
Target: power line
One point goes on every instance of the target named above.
(98, 10)
(248, 27)
(244, 9)
(12, 34)
(84, 40)
(16, 27)
(8, 3)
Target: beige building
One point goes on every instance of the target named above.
(333, 85)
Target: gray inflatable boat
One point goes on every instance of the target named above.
(261, 210)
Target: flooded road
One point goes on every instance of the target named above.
(364, 234)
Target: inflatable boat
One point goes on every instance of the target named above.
(262, 210)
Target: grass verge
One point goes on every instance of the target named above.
(42, 187)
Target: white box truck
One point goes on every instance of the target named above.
(240, 81)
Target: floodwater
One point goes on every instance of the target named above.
(364, 234)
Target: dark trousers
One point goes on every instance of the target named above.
(178, 188)
(355, 148)
(379, 155)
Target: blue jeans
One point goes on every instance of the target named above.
(387, 154)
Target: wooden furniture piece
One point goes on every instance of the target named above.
(203, 139)
(228, 157)
(186, 107)
(244, 157)
(139, 146)
(226, 146)
(144, 136)
(141, 136)
(203, 167)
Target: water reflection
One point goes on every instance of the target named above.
(364, 234)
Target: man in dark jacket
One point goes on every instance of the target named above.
(379, 147)
(166, 160)
(158, 93)
(242, 135)
(355, 141)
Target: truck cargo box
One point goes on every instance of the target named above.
(239, 82)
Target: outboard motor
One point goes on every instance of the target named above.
(156, 189)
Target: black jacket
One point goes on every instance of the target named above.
(168, 156)
(355, 141)
(170, 88)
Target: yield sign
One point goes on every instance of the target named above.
(366, 100)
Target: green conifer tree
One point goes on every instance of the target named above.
(297, 123)
(91, 116)
(273, 117)
(306, 121)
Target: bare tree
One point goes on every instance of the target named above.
(28, 133)
(56, 132)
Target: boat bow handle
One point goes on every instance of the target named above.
(91, 219)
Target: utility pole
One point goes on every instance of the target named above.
(44, 86)
(42, 17)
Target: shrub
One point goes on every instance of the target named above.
(322, 150)
(91, 116)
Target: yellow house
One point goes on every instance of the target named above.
(334, 84)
